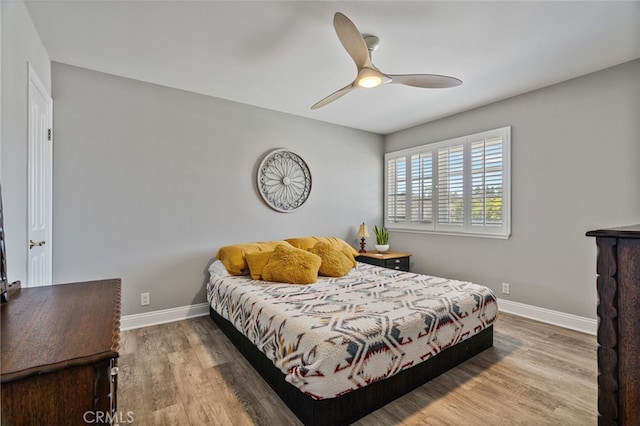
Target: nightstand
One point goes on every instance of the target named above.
(391, 260)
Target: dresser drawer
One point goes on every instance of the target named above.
(401, 264)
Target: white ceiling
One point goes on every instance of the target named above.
(285, 55)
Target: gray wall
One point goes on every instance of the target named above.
(150, 181)
(21, 45)
(575, 167)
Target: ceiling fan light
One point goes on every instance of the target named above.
(369, 78)
(369, 81)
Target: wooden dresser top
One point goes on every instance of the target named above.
(631, 231)
(49, 328)
(385, 256)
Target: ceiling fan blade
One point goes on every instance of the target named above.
(428, 81)
(352, 40)
(332, 97)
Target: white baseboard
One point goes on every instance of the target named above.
(129, 322)
(561, 319)
(573, 322)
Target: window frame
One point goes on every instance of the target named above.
(434, 226)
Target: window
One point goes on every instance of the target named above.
(459, 186)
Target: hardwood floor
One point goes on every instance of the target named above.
(188, 373)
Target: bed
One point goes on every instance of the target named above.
(339, 348)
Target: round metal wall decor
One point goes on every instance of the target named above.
(284, 180)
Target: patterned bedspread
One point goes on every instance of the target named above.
(341, 334)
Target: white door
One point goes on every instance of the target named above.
(39, 183)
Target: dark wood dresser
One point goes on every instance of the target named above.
(618, 286)
(59, 354)
(390, 260)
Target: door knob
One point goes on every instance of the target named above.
(33, 244)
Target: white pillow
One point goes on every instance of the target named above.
(217, 270)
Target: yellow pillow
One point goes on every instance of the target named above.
(334, 262)
(305, 243)
(256, 261)
(233, 256)
(291, 265)
(348, 253)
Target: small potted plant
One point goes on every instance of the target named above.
(382, 239)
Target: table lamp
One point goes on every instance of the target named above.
(363, 233)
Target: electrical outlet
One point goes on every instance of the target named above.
(505, 288)
(144, 299)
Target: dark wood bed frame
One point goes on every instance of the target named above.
(352, 406)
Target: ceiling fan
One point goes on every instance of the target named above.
(360, 49)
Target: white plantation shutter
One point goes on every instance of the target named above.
(486, 182)
(422, 187)
(459, 186)
(396, 190)
(451, 185)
